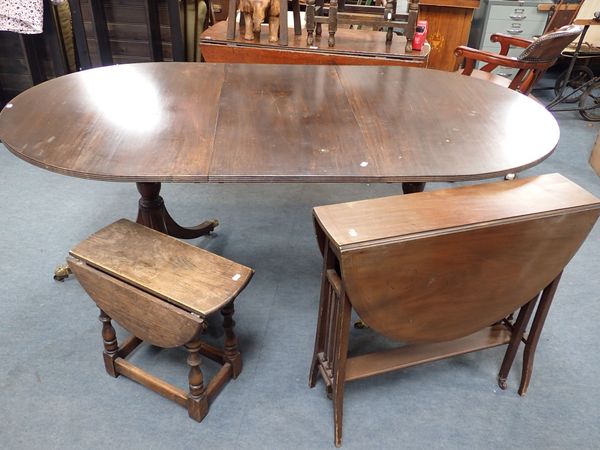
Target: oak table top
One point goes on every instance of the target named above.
(189, 122)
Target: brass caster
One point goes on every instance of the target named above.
(62, 272)
(502, 383)
(360, 325)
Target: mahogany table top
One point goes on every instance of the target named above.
(191, 122)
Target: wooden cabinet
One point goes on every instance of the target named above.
(449, 26)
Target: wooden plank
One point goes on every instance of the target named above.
(272, 145)
(469, 4)
(176, 31)
(101, 31)
(81, 44)
(196, 280)
(151, 319)
(223, 53)
(152, 382)
(403, 217)
(378, 363)
(153, 28)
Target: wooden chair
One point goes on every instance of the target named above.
(384, 17)
(532, 63)
(161, 290)
(443, 272)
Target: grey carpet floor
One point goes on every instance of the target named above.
(54, 393)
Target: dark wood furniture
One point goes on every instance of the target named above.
(354, 47)
(375, 16)
(442, 271)
(532, 63)
(449, 23)
(212, 123)
(161, 290)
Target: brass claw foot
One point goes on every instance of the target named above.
(62, 272)
(360, 325)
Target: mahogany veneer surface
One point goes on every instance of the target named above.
(417, 270)
(189, 122)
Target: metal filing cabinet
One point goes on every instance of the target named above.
(517, 18)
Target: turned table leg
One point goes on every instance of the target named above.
(232, 353)
(111, 346)
(197, 398)
(153, 214)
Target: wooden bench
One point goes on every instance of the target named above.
(161, 290)
(443, 272)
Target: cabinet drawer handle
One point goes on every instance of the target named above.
(504, 74)
(514, 30)
(519, 10)
(518, 16)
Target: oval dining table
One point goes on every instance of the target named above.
(156, 123)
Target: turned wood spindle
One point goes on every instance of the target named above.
(231, 350)
(111, 346)
(197, 398)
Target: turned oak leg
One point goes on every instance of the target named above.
(232, 353)
(153, 214)
(111, 347)
(515, 339)
(535, 332)
(197, 398)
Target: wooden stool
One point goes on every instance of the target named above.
(443, 271)
(161, 290)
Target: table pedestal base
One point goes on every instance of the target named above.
(153, 214)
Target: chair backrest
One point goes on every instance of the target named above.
(548, 47)
(441, 265)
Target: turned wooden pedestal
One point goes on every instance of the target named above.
(161, 290)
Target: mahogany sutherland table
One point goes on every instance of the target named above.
(188, 122)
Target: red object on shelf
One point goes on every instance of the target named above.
(420, 35)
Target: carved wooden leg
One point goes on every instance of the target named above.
(273, 29)
(413, 12)
(339, 368)
(319, 10)
(412, 188)
(153, 214)
(248, 33)
(535, 332)
(310, 22)
(283, 22)
(297, 21)
(111, 347)
(515, 339)
(388, 13)
(197, 398)
(232, 353)
(332, 22)
(231, 19)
